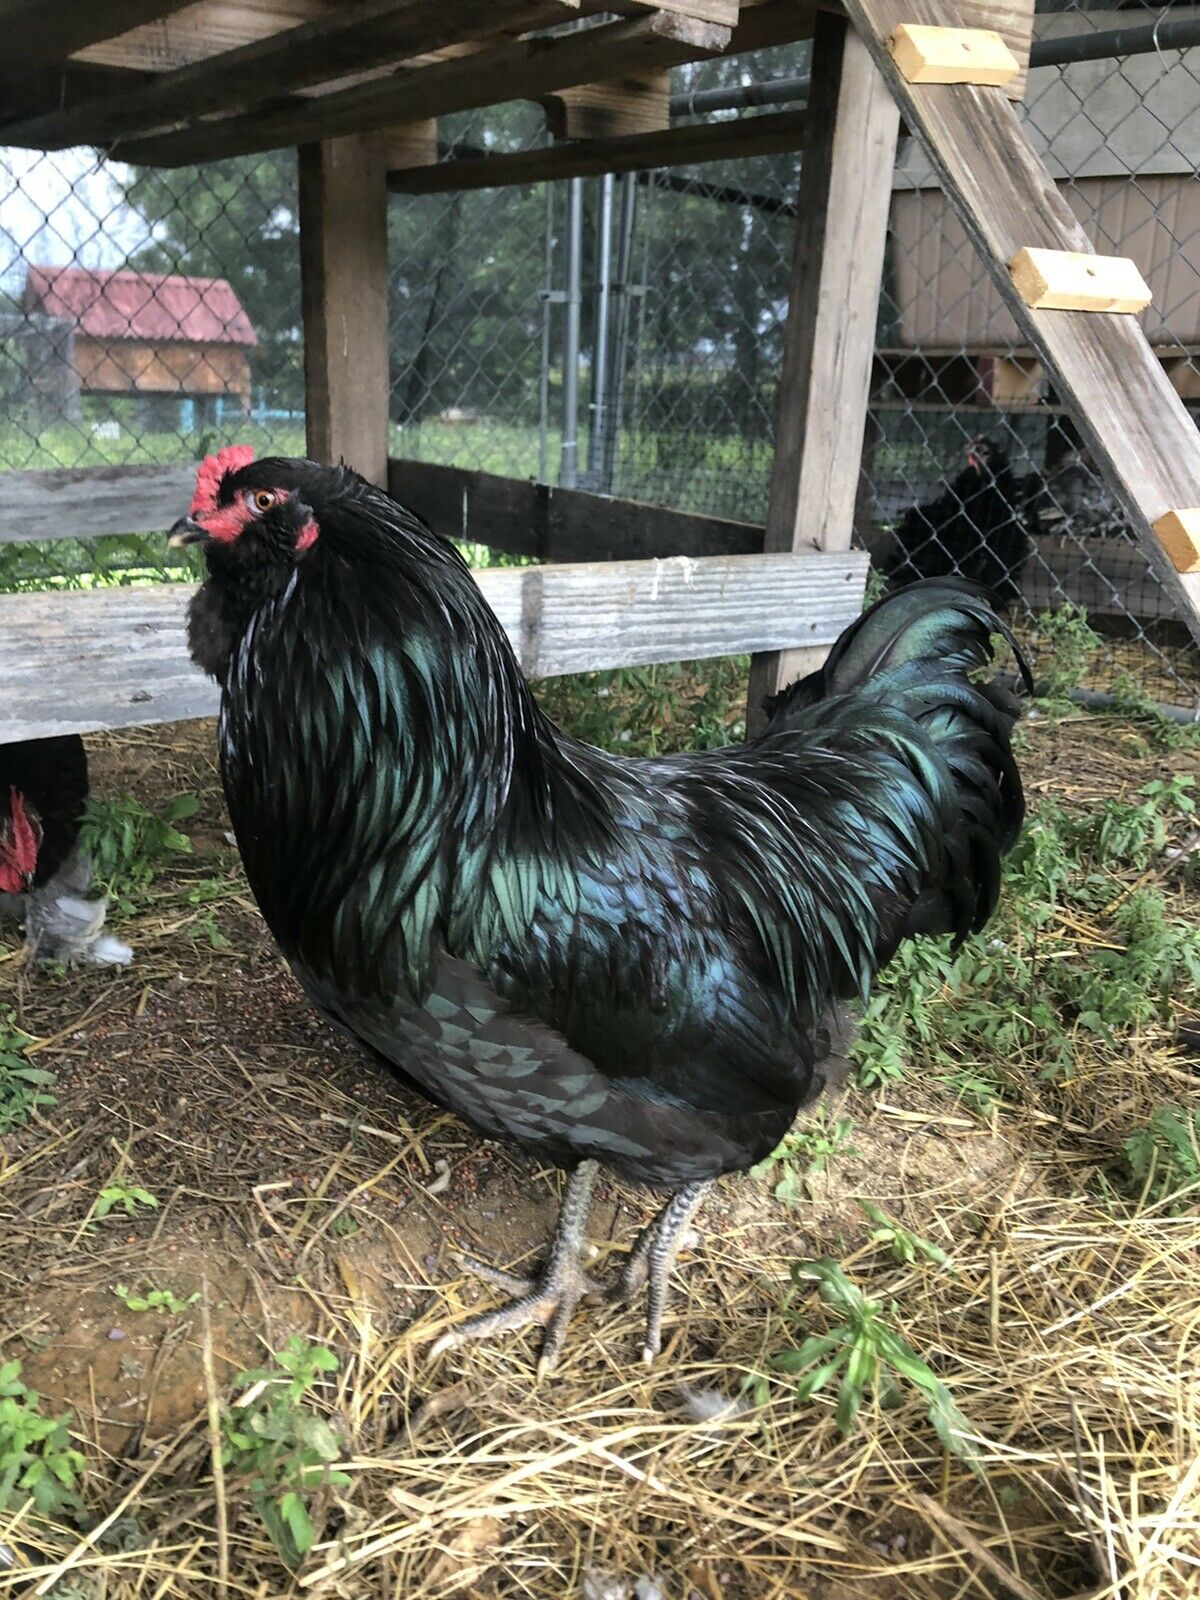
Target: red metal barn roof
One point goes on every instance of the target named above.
(150, 306)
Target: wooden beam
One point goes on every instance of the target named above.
(536, 519)
(205, 28)
(724, 12)
(833, 302)
(638, 102)
(1130, 418)
(33, 31)
(775, 22)
(683, 146)
(85, 659)
(346, 39)
(520, 69)
(343, 294)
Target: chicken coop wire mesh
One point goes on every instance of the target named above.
(624, 335)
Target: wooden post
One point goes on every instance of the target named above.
(343, 294)
(841, 224)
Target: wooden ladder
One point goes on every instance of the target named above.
(1127, 413)
(1102, 365)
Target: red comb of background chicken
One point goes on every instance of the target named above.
(23, 852)
(210, 472)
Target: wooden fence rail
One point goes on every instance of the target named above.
(110, 658)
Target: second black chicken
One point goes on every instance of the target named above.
(975, 528)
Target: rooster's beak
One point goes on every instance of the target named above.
(185, 531)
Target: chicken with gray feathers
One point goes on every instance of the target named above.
(45, 876)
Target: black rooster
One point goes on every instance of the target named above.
(634, 962)
(44, 875)
(975, 528)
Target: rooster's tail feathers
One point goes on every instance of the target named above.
(918, 653)
(947, 622)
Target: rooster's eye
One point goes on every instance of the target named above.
(262, 499)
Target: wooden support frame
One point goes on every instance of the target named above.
(343, 296)
(528, 68)
(841, 227)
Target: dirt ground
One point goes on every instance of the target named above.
(299, 1189)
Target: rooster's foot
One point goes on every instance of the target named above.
(653, 1257)
(550, 1298)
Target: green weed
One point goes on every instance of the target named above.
(153, 1300)
(125, 1197)
(1132, 701)
(1065, 648)
(283, 1447)
(865, 1355)
(906, 1247)
(127, 843)
(1164, 1157)
(37, 1460)
(806, 1152)
(22, 1087)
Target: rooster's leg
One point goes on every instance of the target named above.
(554, 1294)
(653, 1257)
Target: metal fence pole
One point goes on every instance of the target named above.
(569, 456)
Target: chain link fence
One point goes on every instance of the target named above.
(624, 335)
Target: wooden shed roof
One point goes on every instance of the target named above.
(153, 307)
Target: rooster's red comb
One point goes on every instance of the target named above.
(210, 472)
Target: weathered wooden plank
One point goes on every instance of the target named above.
(343, 296)
(72, 662)
(81, 502)
(1131, 419)
(204, 28)
(517, 69)
(535, 519)
(35, 32)
(345, 39)
(578, 618)
(833, 301)
(740, 137)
